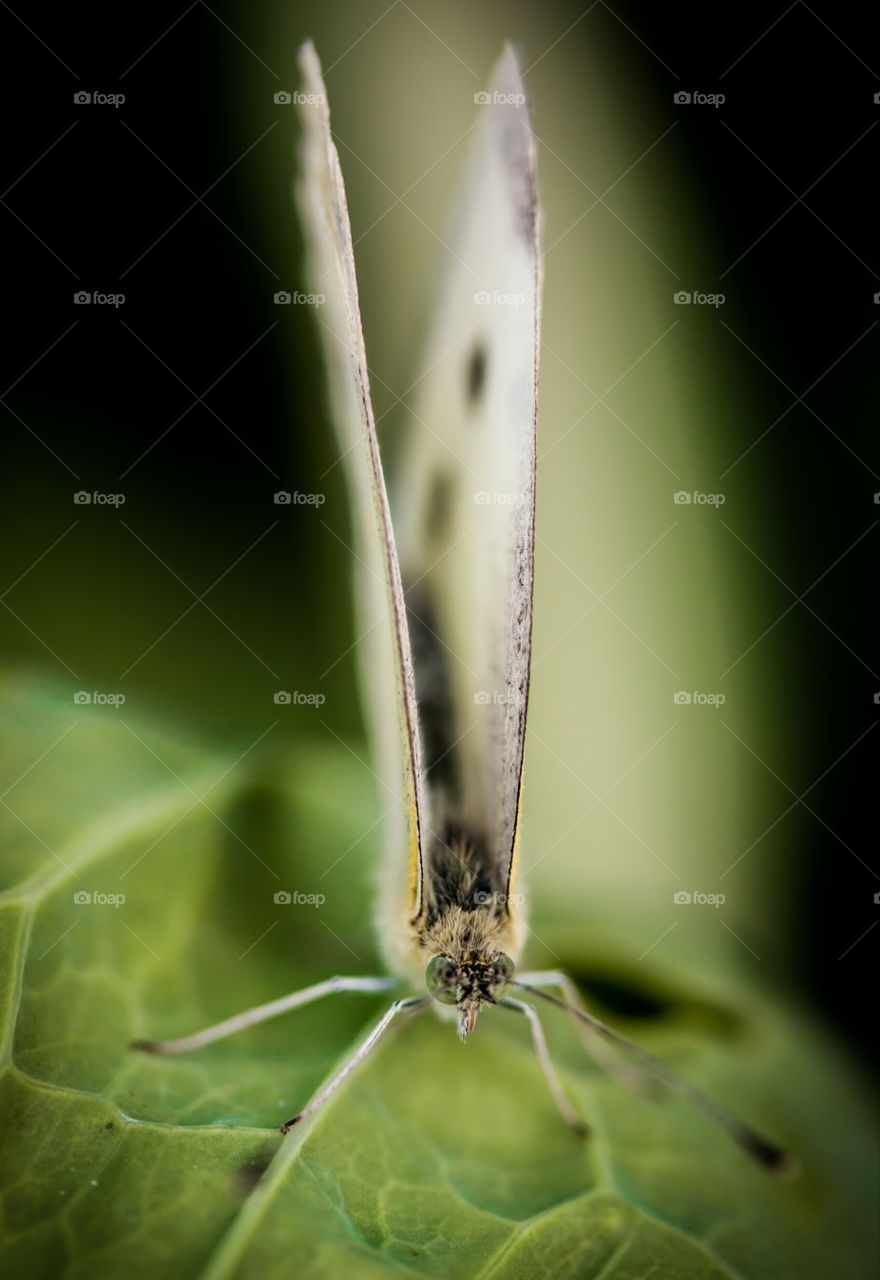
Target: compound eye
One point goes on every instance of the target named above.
(440, 980)
(505, 971)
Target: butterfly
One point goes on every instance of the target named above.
(444, 596)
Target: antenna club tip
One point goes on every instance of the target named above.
(774, 1159)
(785, 1167)
(145, 1046)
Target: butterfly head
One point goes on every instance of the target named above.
(469, 980)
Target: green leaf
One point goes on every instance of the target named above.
(436, 1159)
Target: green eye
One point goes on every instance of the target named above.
(440, 980)
(504, 975)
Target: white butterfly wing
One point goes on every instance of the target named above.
(465, 511)
(383, 643)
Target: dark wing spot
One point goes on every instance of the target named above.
(476, 374)
(438, 507)
(437, 719)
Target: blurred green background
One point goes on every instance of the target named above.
(200, 598)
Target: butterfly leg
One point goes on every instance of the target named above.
(261, 1012)
(567, 1111)
(414, 1004)
(624, 1072)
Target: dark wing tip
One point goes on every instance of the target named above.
(774, 1159)
(145, 1046)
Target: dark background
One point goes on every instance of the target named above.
(91, 390)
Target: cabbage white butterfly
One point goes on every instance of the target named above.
(445, 605)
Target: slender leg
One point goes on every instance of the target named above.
(624, 1072)
(414, 1004)
(567, 1111)
(261, 1012)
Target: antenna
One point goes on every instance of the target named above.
(766, 1153)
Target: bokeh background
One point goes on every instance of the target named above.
(198, 398)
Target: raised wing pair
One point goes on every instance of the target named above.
(444, 600)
